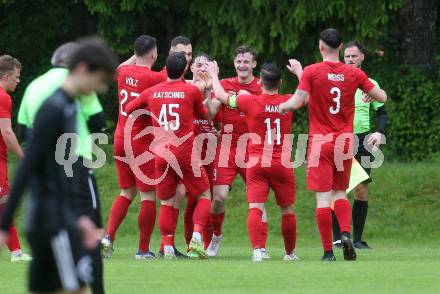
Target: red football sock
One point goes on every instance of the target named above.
(216, 221)
(117, 214)
(201, 215)
(166, 225)
(324, 221)
(176, 218)
(343, 213)
(207, 235)
(288, 229)
(255, 227)
(13, 241)
(263, 234)
(146, 221)
(188, 224)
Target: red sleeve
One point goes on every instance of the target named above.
(364, 83)
(244, 102)
(199, 108)
(5, 106)
(305, 81)
(138, 103)
(158, 77)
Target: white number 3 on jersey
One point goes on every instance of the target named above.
(335, 109)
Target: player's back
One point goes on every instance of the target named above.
(132, 81)
(263, 118)
(331, 102)
(174, 105)
(230, 115)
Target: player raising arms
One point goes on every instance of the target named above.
(175, 103)
(330, 87)
(9, 78)
(133, 77)
(264, 120)
(233, 127)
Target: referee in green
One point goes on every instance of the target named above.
(354, 55)
(90, 118)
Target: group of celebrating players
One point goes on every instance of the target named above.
(254, 140)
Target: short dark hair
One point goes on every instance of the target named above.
(8, 64)
(356, 44)
(95, 53)
(331, 37)
(62, 53)
(175, 65)
(201, 54)
(180, 40)
(270, 76)
(144, 44)
(245, 49)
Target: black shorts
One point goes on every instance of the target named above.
(59, 262)
(362, 152)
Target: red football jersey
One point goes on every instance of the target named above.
(231, 115)
(263, 118)
(5, 112)
(331, 87)
(132, 81)
(174, 105)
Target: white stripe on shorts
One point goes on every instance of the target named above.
(62, 252)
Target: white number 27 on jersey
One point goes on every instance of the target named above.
(168, 111)
(335, 109)
(124, 94)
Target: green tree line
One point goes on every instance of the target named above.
(407, 31)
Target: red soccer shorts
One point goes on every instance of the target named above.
(279, 178)
(194, 183)
(4, 185)
(126, 176)
(326, 168)
(226, 169)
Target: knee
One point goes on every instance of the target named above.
(361, 192)
(287, 210)
(129, 193)
(220, 196)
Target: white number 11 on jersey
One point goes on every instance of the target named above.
(269, 131)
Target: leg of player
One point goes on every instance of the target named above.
(13, 241)
(220, 194)
(255, 229)
(324, 222)
(200, 220)
(359, 215)
(336, 231)
(264, 235)
(166, 226)
(146, 221)
(180, 194)
(118, 212)
(288, 229)
(343, 214)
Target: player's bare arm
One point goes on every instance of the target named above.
(298, 100)
(295, 68)
(130, 61)
(220, 93)
(376, 94)
(10, 138)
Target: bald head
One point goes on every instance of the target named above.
(62, 54)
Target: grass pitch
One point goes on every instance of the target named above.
(402, 227)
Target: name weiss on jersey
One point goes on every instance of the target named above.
(131, 81)
(335, 77)
(170, 95)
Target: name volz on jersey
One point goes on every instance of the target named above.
(131, 81)
(172, 95)
(335, 77)
(272, 108)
